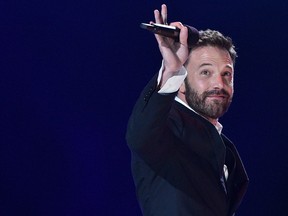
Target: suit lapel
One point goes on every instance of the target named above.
(238, 180)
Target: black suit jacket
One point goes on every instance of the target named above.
(178, 158)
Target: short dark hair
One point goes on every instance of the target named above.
(217, 39)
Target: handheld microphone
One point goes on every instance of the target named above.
(172, 32)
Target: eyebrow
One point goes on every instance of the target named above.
(205, 64)
(208, 64)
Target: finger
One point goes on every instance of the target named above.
(157, 16)
(158, 19)
(164, 14)
(183, 36)
(183, 32)
(177, 24)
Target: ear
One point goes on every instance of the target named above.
(182, 89)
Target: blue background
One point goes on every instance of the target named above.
(70, 74)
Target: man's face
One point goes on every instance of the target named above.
(209, 83)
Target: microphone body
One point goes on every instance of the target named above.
(172, 32)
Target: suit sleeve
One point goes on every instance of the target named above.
(147, 133)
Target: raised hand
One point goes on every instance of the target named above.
(174, 53)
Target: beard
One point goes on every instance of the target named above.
(213, 109)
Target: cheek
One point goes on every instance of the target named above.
(229, 84)
(231, 90)
(200, 87)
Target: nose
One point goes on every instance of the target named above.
(217, 82)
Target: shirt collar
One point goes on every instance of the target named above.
(218, 126)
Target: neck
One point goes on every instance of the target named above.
(213, 121)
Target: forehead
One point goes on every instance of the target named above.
(210, 55)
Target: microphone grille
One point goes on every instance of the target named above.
(193, 35)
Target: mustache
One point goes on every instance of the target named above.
(216, 92)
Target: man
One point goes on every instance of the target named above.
(181, 162)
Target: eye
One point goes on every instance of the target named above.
(227, 73)
(205, 72)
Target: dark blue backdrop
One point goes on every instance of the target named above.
(70, 74)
